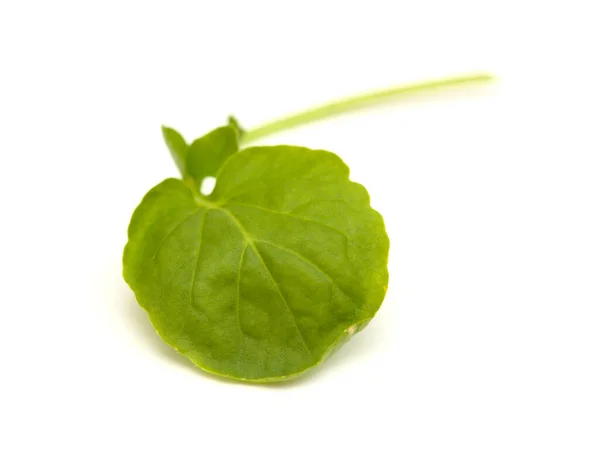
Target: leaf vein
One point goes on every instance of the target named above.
(285, 213)
(250, 242)
(201, 234)
(311, 263)
(171, 232)
(282, 297)
(237, 298)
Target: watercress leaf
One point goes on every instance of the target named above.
(208, 153)
(270, 274)
(177, 146)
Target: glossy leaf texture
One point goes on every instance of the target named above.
(270, 274)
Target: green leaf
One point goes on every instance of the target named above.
(232, 122)
(270, 274)
(208, 153)
(177, 146)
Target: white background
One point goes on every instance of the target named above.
(487, 348)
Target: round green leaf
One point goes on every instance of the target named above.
(267, 276)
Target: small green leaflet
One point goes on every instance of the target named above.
(177, 146)
(267, 276)
(220, 144)
(279, 266)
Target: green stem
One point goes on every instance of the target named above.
(357, 102)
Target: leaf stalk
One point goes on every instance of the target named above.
(358, 102)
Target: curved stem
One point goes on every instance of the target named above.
(357, 102)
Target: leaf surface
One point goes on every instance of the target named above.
(233, 122)
(208, 153)
(268, 275)
(177, 146)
